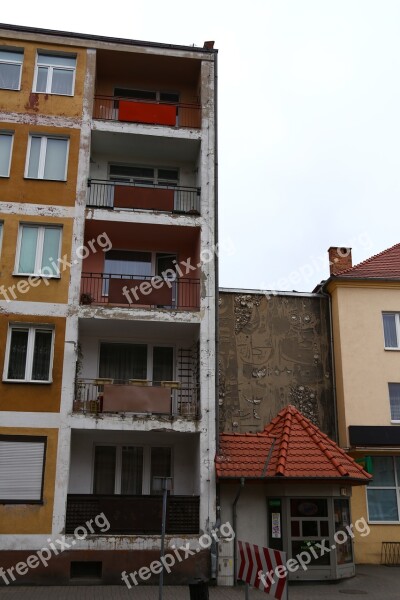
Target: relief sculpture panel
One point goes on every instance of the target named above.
(274, 351)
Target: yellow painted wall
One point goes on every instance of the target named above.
(33, 397)
(33, 518)
(47, 290)
(368, 548)
(363, 370)
(363, 366)
(17, 188)
(25, 101)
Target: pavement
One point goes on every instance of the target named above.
(371, 582)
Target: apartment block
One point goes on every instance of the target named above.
(107, 303)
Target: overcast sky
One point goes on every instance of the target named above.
(309, 127)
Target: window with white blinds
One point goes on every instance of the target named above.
(21, 469)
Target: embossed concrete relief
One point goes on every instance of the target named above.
(273, 352)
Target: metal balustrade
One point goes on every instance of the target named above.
(149, 112)
(156, 291)
(139, 196)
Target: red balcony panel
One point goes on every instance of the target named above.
(147, 112)
(141, 197)
(137, 399)
(157, 297)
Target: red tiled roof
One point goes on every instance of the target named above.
(386, 265)
(295, 447)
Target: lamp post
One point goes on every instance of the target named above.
(164, 484)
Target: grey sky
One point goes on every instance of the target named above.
(309, 127)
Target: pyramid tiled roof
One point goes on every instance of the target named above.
(291, 447)
(384, 265)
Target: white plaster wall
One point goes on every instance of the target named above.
(184, 451)
(99, 166)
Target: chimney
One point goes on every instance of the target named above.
(209, 45)
(339, 260)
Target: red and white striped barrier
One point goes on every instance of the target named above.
(254, 559)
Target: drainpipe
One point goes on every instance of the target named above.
(335, 421)
(214, 566)
(216, 245)
(234, 525)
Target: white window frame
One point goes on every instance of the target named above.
(30, 350)
(39, 250)
(397, 324)
(9, 134)
(13, 62)
(50, 69)
(395, 487)
(24, 439)
(42, 155)
(146, 473)
(390, 402)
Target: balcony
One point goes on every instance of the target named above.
(133, 196)
(154, 291)
(135, 515)
(139, 396)
(130, 110)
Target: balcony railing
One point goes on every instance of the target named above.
(140, 290)
(134, 515)
(135, 196)
(149, 112)
(138, 396)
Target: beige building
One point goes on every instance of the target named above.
(365, 303)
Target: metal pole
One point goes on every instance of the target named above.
(246, 591)
(164, 518)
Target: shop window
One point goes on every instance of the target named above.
(309, 526)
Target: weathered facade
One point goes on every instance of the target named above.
(274, 350)
(107, 302)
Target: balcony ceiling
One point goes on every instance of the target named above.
(149, 331)
(130, 148)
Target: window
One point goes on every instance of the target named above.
(47, 158)
(161, 466)
(29, 353)
(122, 362)
(119, 469)
(149, 95)
(22, 461)
(383, 491)
(55, 74)
(144, 175)
(38, 251)
(391, 329)
(394, 396)
(10, 68)
(6, 143)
